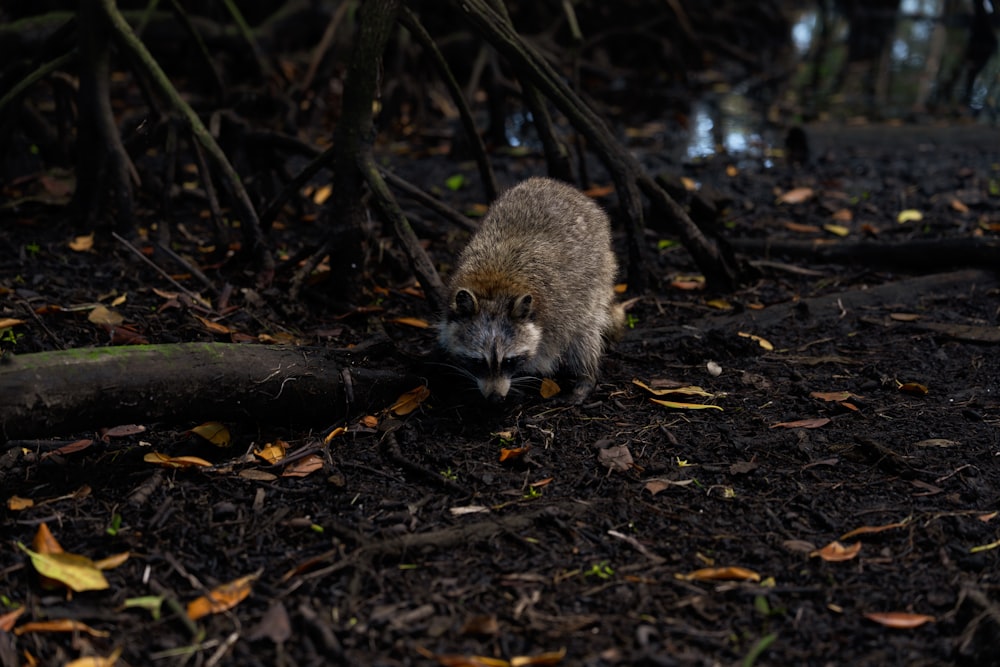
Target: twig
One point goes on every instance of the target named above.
(194, 297)
(430, 202)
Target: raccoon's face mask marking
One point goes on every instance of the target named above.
(494, 339)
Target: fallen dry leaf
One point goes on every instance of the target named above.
(549, 388)
(272, 452)
(304, 466)
(616, 457)
(913, 389)
(800, 228)
(214, 432)
(763, 342)
(7, 322)
(78, 573)
(729, 573)
(59, 625)
(837, 230)
(106, 316)
(96, 660)
(803, 423)
(870, 530)
(8, 620)
(410, 401)
(689, 390)
(899, 619)
(685, 406)
(176, 461)
(221, 598)
(835, 552)
(513, 453)
(415, 322)
(18, 504)
(796, 196)
(909, 215)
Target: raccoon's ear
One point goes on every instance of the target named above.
(522, 308)
(464, 304)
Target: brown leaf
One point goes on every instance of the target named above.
(222, 598)
(730, 573)
(410, 401)
(803, 423)
(899, 619)
(616, 457)
(415, 322)
(8, 620)
(304, 466)
(870, 530)
(549, 388)
(835, 552)
(796, 196)
(913, 388)
(59, 625)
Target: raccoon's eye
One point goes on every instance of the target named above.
(511, 363)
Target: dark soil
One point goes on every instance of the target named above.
(416, 545)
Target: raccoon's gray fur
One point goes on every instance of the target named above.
(533, 292)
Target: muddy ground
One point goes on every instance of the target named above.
(414, 544)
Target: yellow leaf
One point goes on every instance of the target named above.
(272, 452)
(340, 430)
(409, 401)
(836, 552)
(909, 215)
(214, 432)
(111, 562)
(690, 390)
(222, 598)
(685, 406)
(549, 388)
(17, 503)
(322, 194)
(77, 572)
(103, 315)
(719, 304)
(542, 659)
(689, 183)
(796, 196)
(838, 230)
(82, 243)
(176, 461)
(763, 342)
(899, 619)
(720, 574)
(96, 661)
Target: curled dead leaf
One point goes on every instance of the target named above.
(410, 401)
(222, 598)
(835, 552)
(729, 573)
(899, 619)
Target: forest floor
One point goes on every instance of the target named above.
(864, 410)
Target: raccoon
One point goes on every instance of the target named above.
(533, 292)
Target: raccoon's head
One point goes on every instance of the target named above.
(492, 338)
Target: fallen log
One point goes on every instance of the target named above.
(57, 392)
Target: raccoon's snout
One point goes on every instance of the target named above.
(494, 389)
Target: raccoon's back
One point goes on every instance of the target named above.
(545, 235)
(545, 238)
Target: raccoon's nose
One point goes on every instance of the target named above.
(496, 397)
